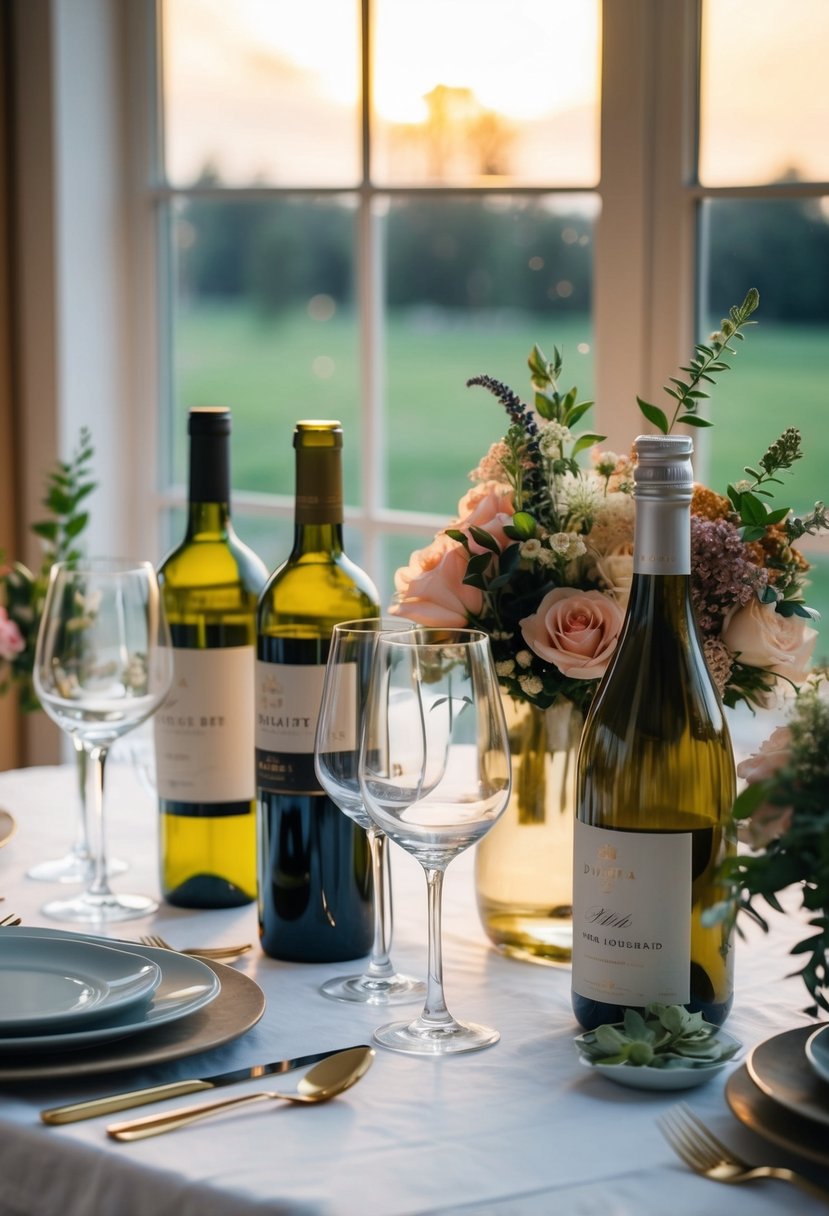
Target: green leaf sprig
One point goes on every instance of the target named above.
(668, 1036)
(706, 361)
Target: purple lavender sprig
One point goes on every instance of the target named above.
(521, 416)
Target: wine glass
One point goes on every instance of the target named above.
(435, 776)
(336, 753)
(103, 663)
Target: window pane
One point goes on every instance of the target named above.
(261, 91)
(779, 373)
(263, 322)
(471, 286)
(764, 91)
(465, 90)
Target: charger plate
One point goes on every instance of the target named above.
(8, 827)
(781, 1069)
(238, 1006)
(773, 1122)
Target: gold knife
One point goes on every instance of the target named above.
(176, 1089)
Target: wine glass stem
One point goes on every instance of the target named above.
(434, 1010)
(379, 966)
(81, 847)
(96, 759)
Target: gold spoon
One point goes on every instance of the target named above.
(325, 1080)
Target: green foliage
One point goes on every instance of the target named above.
(668, 1036)
(706, 362)
(68, 486)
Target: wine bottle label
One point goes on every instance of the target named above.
(204, 730)
(631, 916)
(288, 699)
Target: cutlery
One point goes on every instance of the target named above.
(321, 1083)
(700, 1149)
(215, 952)
(93, 1107)
(10, 920)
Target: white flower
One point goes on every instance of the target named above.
(613, 523)
(531, 549)
(524, 658)
(567, 544)
(743, 486)
(580, 498)
(531, 685)
(505, 667)
(552, 438)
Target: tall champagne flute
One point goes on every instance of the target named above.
(435, 776)
(102, 665)
(336, 754)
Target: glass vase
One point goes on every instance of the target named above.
(524, 866)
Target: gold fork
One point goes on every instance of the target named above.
(217, 953)
(9, 920)
(700, 1149)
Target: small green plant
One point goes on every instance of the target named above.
(668, 1036)
(22, 593)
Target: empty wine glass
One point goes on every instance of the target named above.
(103, 664)
(336, 755)
(435, 776)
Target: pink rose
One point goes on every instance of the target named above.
(489, 506)
(767, 823)
(12, 641)
(574, 630)
(431, 590)
(774, 753)
(761, 637)
(615, 569)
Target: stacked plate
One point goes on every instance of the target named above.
(782, 1091)
(64, 998)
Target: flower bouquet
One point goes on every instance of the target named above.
(540, 558)
(22, 593)
(783, 814)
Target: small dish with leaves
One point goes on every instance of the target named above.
(665, 1048)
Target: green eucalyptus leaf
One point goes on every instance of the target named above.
(586, 441)
(694, 420)
(654, 415)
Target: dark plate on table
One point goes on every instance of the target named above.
(781, 1069)
(773, 1122)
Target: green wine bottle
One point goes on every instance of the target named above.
(655, 783)
(204, 733)
(315, 888)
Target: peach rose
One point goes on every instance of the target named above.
(489, 506)
(431, 590)
(767, 823)
(761, 637)
(574, 630)
(774, 754)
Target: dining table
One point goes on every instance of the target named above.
(521, 1127)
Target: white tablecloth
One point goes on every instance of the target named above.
(518, 1128)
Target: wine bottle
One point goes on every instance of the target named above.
(655, 783)
(315, 888)
(204, 733)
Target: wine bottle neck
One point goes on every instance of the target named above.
(318, 538)
(209, 484)
(208, 519)
(662, 537)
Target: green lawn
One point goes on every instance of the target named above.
(272, 371)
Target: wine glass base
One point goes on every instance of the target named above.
(99, 909)
(73, 868)
(420, 1038)
(364, 990)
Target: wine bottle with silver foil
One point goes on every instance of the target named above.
(204, 732)
(655, 783)
(315, 888)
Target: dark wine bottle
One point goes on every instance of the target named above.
(655, 784)
(204, 733)
(315, 887)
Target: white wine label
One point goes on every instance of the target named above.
(288, 699)
(631, 916)
(204, 730)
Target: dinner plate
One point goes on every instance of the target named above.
(817, 1053)
(774, 1122)
(8, 827)
(186, 985)
(238, 1007)
(64, 985)
(780, 1069)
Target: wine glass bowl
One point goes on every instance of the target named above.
(336, 757)
(435, 776)
(102, 665)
